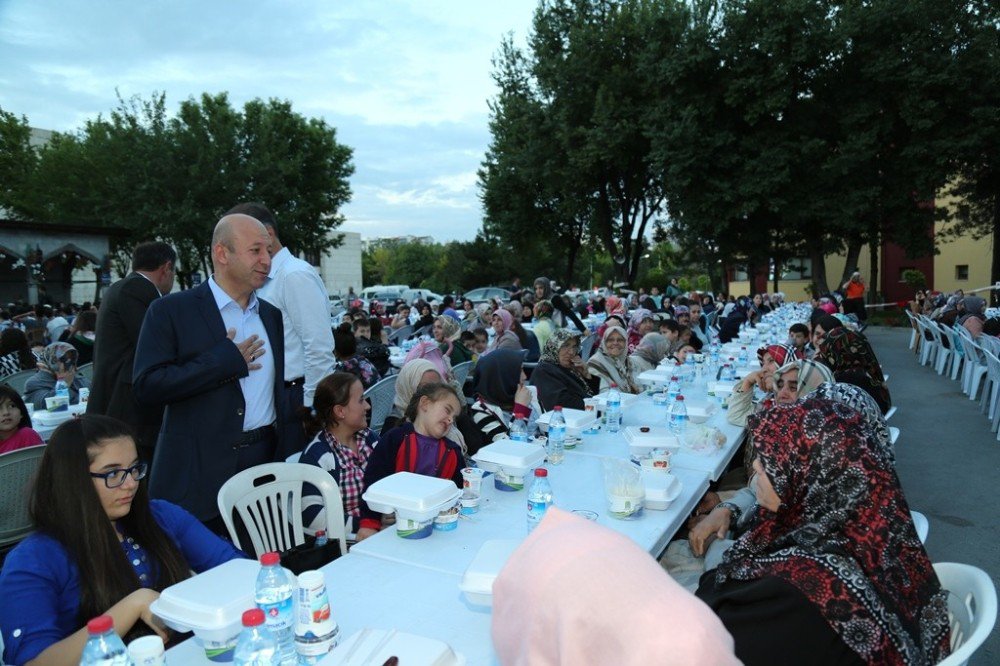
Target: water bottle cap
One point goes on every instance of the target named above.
(680, 398)
(253, 617)
(100, 624)
(541, 471)
(673, 378)
(557, 408)
(270, 559)
(613, 385)
(320, 533)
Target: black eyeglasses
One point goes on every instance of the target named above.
(116, 477)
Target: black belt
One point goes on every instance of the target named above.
(260, 434)
(295, 382)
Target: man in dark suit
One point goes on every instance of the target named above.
(118, 323)
(214, 356)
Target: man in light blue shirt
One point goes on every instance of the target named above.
(214, 357)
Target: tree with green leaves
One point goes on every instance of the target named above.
(173, 177)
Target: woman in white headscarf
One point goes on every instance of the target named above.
(611, 362)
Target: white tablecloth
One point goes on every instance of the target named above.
(577, 483)
(380, 594)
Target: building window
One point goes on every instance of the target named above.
(799, 268)
(740, 274)
(962, 272)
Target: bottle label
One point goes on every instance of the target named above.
(279, 614)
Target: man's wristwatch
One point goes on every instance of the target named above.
(735, 510)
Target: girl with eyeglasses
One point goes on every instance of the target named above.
(101, 546)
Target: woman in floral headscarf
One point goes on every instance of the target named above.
(651, 350)
(852, 360)
(57, 361)
(446, 332)
(561, 376)
(639, 324)
(831, 570)
(504, 337)
(611, 363)
(771, 358)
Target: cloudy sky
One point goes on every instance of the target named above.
(406, 84)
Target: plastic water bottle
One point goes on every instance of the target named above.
(555, 449)
(678, 416)
(729, 373)
(539, 498)
(743, 359)
(256, 645)
(614, 413)
(275, 596)
(62, 389)
(519, 430)
(104, 647)
(673, 389)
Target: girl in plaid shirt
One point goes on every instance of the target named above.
(341, 444)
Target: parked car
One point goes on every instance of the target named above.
(483, 294)
(411, 295)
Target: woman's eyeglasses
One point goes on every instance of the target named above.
(116, 477)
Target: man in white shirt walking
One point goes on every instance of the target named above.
(294, 287)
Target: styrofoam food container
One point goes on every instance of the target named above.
(211, 604)
(477, 581)
(510, 462)
(412, 496)
(387, 643)
(46, 418)
(699, 412)
(577, 420)
(721, 389)
(627, 399)
(641, 444)
(661, 489)
(660, 375)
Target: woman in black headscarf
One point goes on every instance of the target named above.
(501, 397)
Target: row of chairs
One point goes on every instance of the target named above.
(18, 380)
(972, 603)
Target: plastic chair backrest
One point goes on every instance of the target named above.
(382, 395)
(17, 474)
(268, 499)
(18, 380)
(400, 334)
(461, 372)
(920, 522)
(972, 608)
(86, 371)
(587, 346)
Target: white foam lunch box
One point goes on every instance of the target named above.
(641, 444)
(699, 412)
(477, 581)
(412, 496)
(577, 420)
(515, 458)
(662, 488)
(377, 646)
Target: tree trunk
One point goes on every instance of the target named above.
(995, 267)
(818, 260)
(851, 265)
(873, 252)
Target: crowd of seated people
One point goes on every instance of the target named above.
(790, 559)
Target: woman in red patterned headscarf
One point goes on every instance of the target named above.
(832, 570)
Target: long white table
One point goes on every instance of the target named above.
(369, 592)
(577, 483)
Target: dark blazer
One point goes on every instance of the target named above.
(185, 361)
(118, 323)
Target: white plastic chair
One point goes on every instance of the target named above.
(928, 343)
(975, 365)
(922, 525)
(958, 357)
(972, 609)
(991, 390)
(914, 330)
(942, 351)
(893, 435)
(461, 372)
(888, 414)
(382, 395)
(268, 499)
(17, 474)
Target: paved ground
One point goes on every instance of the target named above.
(948, 462)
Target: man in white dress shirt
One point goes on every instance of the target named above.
(295, 288)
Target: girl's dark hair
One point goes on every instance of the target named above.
(344, 342)
(376, 325)
(672, 325)
(695, 342)
(14, 340)
(66, 507)
(481, 333)
(85, 321)
(15, 397)
(332, 390)
(435, 391)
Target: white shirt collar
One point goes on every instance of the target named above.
(222, 299)
(278, 260)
